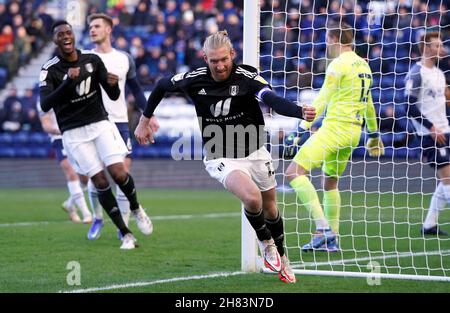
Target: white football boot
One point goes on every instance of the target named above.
(143, 221)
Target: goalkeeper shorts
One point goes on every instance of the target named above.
(258, 166)
(329, 148)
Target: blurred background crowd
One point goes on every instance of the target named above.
(165, 37)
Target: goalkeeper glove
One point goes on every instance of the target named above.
(375, 146)
(292, 143)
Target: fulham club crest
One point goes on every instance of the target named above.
(234, 90)
(89, 67)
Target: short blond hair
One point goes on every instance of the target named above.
(217, 40)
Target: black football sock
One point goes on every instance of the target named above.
(258, 224)
(129, 191)
(277, 230)
(109, 203)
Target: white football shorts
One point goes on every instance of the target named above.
(91, 147)
(258, 166)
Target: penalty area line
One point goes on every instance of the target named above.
(154, 282)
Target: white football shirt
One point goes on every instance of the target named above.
(428, 86)
(119, 63)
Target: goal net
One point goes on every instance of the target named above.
(384, 200)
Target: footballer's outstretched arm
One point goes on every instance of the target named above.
(143, 132)
(284, 106)
(164, 85)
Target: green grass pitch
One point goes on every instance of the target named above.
(198, 233)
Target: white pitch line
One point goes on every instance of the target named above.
(156, 218)
(155, 282)
(27, 224)
(382, 257)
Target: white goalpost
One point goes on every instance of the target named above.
(249, 247)
(384, 200)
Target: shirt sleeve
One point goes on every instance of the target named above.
(165, 84)
(413, 82)
(258, 85)
(49, 93)
(113, 92)
(371, 117)
(131, 67)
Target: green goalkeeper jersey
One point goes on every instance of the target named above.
(346, 93)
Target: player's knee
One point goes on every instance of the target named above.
(294, 170)
(120, 177)
(252, 202)
(118, 173)
(100, 181)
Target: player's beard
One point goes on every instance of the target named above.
(222, 75)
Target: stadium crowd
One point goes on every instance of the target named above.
(24, 30)
(164, 37)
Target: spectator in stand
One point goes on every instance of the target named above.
(140, 16)
(47, 19)
(140, 55)
(144, 77)
(122, 44)
(28, 100)
(9, 59)
(3, 14)
(14, 118)
(6, 37)
(22, 44)
(171, 9)
(35, 28)
(31, 121)
(153, 60)
(124, 17)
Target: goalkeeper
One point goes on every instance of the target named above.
(346, 95)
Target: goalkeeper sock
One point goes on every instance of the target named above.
(438, 202)
(277, 231)
(258, 224)
(109, 203)
(307, 194)
(332, 208)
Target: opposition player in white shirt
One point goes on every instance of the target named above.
(76, 198)
(121, 64)
(425, 87)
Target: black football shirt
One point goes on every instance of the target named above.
(80, 102)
